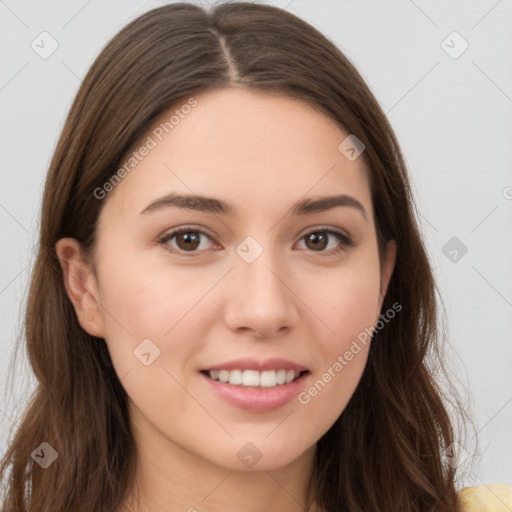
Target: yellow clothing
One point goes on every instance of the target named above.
(487, 498)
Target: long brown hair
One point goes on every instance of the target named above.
(385, 452)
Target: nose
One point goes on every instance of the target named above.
(260, 300)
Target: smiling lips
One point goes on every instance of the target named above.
(256, 386)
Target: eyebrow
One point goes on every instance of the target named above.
(210, 204)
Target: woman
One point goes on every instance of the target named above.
(232, 306)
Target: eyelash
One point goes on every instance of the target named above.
(345, 240)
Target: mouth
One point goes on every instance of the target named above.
(256, 386)
(255, 379)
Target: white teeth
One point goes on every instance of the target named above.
(254, 378)
(268, 379)
(223, 375)
(235, 377)
(250, 378)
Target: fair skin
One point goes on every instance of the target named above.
(296, 301)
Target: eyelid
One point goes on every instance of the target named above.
(185, 228)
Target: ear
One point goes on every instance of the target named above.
(387, 267)
(81, 286)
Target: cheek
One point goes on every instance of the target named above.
(153, 334)
(352, 312)
(143, 302)
(355, 308)
(346, 301)
(347, 306)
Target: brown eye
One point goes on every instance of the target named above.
(185, 240)
(188, 241)
(316, 242)
(319, 240)
(191, 240)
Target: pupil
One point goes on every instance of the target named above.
(190, 238)
(315, 239)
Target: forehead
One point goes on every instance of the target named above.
(256, 151)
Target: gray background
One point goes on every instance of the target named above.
(452, 115)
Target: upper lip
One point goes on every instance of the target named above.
(274, 363)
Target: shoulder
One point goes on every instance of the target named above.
(486, 498)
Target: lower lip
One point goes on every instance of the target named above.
(257, 400)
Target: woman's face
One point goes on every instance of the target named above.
(255, 291)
